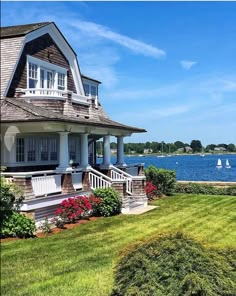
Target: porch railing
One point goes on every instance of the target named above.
(43, 185)
(43, 92)
(117, 174)
(98, 180)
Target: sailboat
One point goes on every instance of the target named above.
(219, 163)
(161, 151)
(202, 154)
(227, 165)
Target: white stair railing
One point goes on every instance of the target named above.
(98, 180)
(117, 174)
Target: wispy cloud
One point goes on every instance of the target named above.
(187, 64)
(134, 45)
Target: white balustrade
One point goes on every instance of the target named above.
(98, 181)
(38, 92)
(43, 185)
(117, 174)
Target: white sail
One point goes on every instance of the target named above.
(219, 163)
(227, 165)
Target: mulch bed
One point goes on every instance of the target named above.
(53, 230)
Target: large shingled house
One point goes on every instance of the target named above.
(51, 119)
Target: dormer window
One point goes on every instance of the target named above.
(93, 91)
(90, 90)
(86, 89)
(61, 81)
(33, 75)
(45, 78)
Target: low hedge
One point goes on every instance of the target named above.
(175, 265)
(195, 188)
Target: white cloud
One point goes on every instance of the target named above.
(187, 64)
(134, 45)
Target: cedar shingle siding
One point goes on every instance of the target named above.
(40, 48)
(10, 49)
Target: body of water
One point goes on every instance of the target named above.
(192, 167)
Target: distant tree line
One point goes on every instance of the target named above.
(195, 146)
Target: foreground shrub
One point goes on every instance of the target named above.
(175, 265)
(10, 199)
(163, 180)
(195, 188)
(18, 225)
(74, 208)
(110, 202)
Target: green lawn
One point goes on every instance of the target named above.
(81, 261)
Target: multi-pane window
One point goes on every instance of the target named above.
(31, 149)
(93, 91)
(72, 148)
(42, 78)
(43, 147)
(61, 81)
(45, 75)
(86, 89)
(33, 75)
(53, 149)
(20, 149)
(49, 79)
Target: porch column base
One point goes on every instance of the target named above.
(67, 185)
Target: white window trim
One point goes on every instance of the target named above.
(90, 84)
(38, 160)
(46, 66)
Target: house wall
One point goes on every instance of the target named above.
(40, 48)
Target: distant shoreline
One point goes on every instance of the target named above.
(178, 154)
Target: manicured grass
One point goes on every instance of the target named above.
(81, 261)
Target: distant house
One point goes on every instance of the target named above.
(51, 119)
(220, 149)
(188, 149)
(147, 151)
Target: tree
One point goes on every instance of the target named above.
(231, 147)
(179, 144)
(196, 145)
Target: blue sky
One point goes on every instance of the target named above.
(168, 67)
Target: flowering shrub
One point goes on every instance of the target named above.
(46, 226)
(72, 209)
(95, 202)
(150, 190)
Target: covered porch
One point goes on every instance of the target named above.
(61, 161)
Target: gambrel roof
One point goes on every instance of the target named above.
(13, 41)
(21, 30)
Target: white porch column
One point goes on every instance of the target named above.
(84, 150)
(64, 152)
(120, 151)
(106, 151)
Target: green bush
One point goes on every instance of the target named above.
(10, 199)
(195, 188)
(18, 225)
(175, 265)
(164, 180)
(110, 202)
